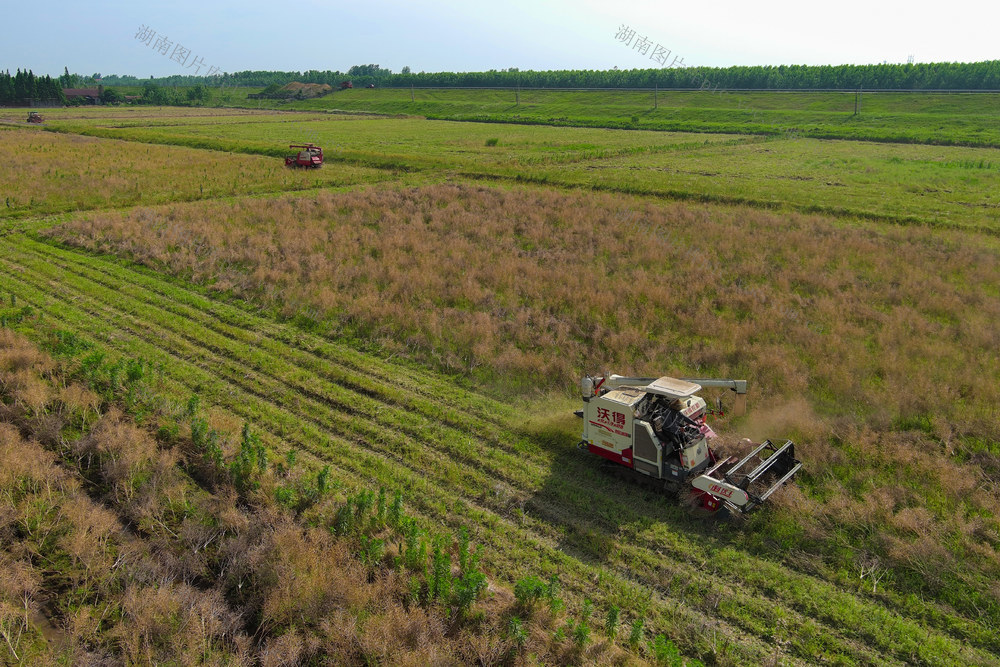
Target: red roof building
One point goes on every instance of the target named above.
(86, 95)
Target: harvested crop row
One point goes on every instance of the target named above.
(269, 373)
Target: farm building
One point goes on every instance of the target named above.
(85, 95)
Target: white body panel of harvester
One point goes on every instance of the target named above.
(613, 428)
(608, 423)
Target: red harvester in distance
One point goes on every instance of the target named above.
(310, 155)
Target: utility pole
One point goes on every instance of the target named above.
(411, 92)
(656, 90)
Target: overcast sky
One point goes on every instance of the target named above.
(465, 35)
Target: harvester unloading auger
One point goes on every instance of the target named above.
(656, 428)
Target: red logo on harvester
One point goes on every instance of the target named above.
(612, 421)
(721, 491)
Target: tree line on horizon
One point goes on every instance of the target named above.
(25, 87)
(912, 76)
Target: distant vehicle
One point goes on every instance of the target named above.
(35, 117)
(344, 85)
(370, 85)
(310, 156)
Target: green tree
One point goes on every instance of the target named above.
(153, 94)
(6, 88)
(197, 94)
(68, 80)
(111, 96)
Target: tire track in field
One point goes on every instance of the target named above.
(69, 304)
(366, 461)
(208, 371)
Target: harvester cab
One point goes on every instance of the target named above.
(656, 428)
(35, 117)
(309, 155)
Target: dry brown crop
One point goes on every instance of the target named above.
(881, 324)
(870, 345)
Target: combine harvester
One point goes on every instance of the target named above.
(310, 156)
(655, 428)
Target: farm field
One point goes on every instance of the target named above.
(934, 118)
(55, 173)
(946, 187)
(138, 527)
(125, 113)
(420, 142)
(936, 185)
(529, 499)
(415, 316)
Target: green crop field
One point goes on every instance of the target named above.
(936, 118)
(928, 184)
(414, 316)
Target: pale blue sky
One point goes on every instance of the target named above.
(456, 35)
